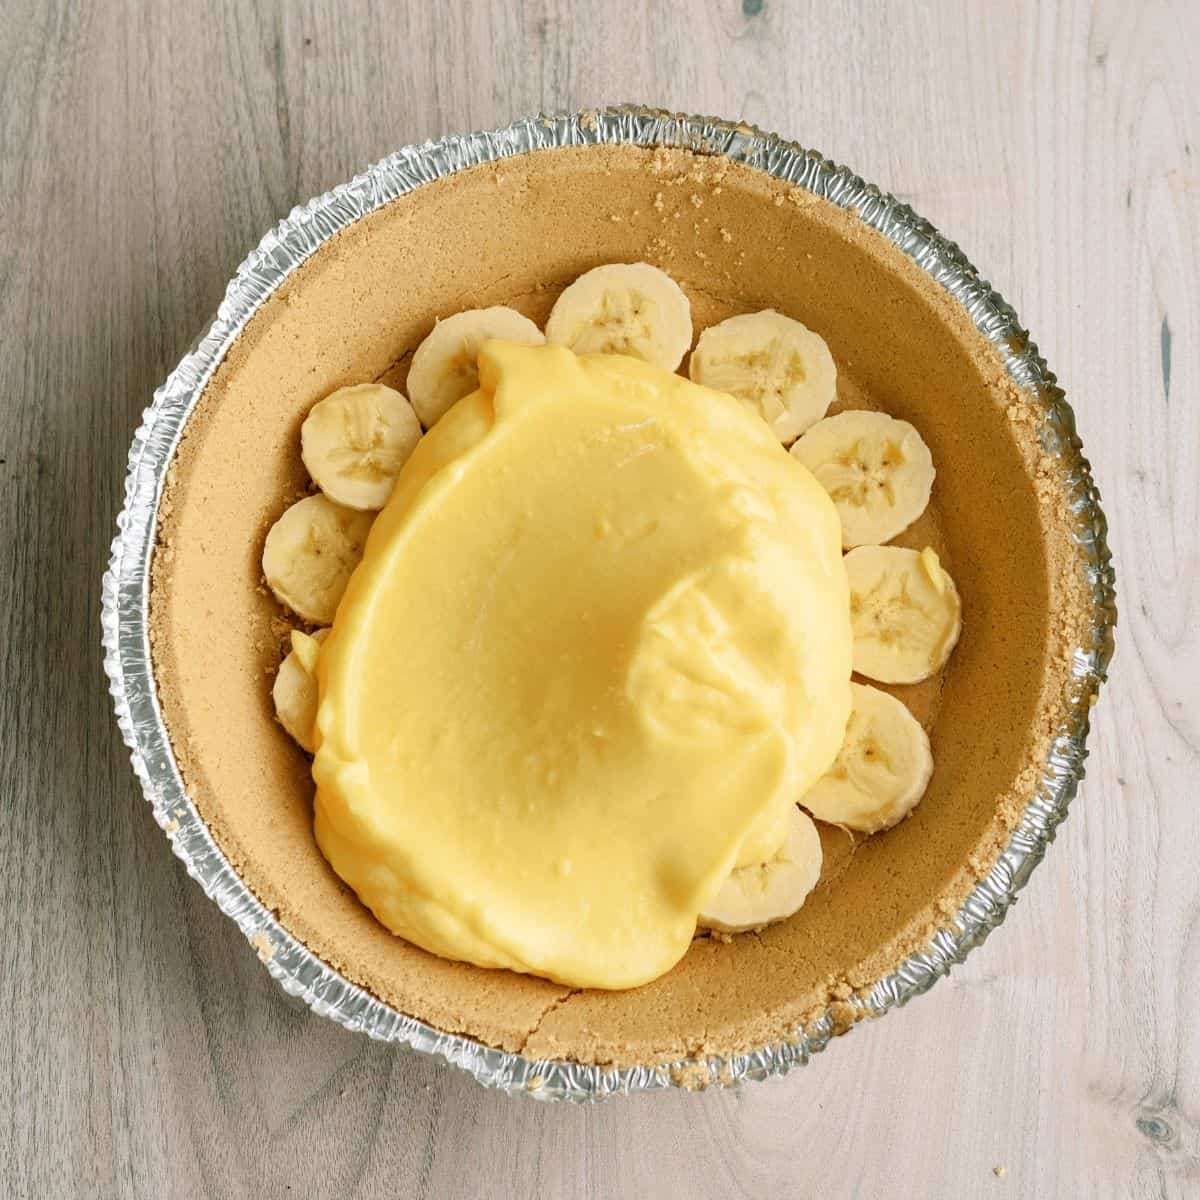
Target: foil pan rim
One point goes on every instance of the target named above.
(126, 587)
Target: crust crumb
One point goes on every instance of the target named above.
(691, 1076)
(263, 946)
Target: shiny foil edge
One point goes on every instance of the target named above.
(126, 592)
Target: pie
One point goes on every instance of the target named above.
(515, 233)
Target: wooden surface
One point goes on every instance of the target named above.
(144, 148)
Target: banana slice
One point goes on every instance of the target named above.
(755, 896)
(445, 368)
(355, 441)
(773, 364)
(624, 308)
(905, 613)
(882, 769)
(877, 469)
(295, 690)
(309, 555)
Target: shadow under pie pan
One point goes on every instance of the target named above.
(341, 292)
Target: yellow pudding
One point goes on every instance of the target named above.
(598, 646)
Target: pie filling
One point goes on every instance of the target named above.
(599, 634)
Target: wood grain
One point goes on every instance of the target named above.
(144, 148)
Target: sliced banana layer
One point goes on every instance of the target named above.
(445, 365)
(905, 613)
(878, 471)
(757, 895)
(310, 553)
(624, 308)
(882, 769)
(355, 441)
(773, 364)
(295, 690)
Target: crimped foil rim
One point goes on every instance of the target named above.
(126, 590)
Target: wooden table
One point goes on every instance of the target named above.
(144, 148)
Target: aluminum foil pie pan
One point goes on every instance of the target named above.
(126, 590)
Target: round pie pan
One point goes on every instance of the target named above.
(126, 591)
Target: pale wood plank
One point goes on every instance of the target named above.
(144, 149)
